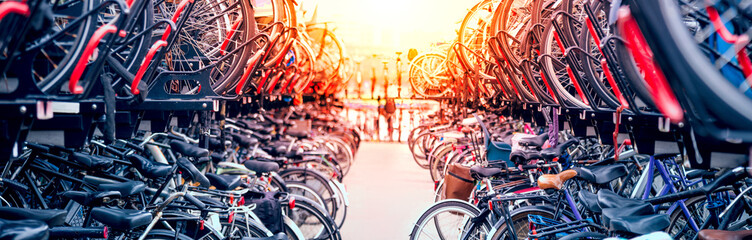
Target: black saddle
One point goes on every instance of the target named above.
(601, 174)
(479, 172)
(536, 141)
(244, 141)
(635, 210)
(188, 150)
(51, 217)
(298, 134)
(122, 219)
(91, 198)
(589, 200)
(216, 144)
(550, 153)
(262, 137)
(640, 224)
(148, 168)
(126, 189)
(217, 157)
(609, 199)
(192, 173)
(90, 161)
(23, 229)
(261, 167)
(223, 182)
(522, 156)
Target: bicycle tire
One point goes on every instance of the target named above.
(329, 229)
(438, 208)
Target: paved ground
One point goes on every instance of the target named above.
(388, 192)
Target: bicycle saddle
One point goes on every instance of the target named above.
(223, 182)
(261, 167)
(710, 234)
(123, 219)
(601, 174)
(523, 156)
(23, 229)
(262, 137)
(125, 188)
(90, 161)
(536, 141)
(188, 150)
(555, 181)
(640, 224)
(192, 172)
(51, 217)
(217, 157)
(479, 172)
(297, 133)
(91, 198)
(149, 168)
(609, 199)
(589, 200)
(640, 210)
(550, 153)
(244, 141)
(216, 145)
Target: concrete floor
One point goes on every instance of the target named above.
(388, 192)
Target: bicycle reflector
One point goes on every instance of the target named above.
(291, 202)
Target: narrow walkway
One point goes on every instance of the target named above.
(388, 192)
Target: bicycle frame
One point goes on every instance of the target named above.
(648, 177)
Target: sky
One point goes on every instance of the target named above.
(385, 26)
(374, 30)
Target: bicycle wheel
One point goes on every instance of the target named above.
(284, 13)
(49, 59)
(312, 219)
(315, 181)
(702, 68)
(328, 52)
(428, 76)
(592, 69)
(419, 154)
(211, 30)
(556, 66)
(299, 188)
(239, 228)
(520, 223)
(446, 220)
(166, 235)
(438, 160)
(680, 227)
(474, 32)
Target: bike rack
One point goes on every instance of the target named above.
(145, 64)
(230, 34)
(84, 59)
(15, 8)
(175, 17)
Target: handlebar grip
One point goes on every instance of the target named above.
(193, 200)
